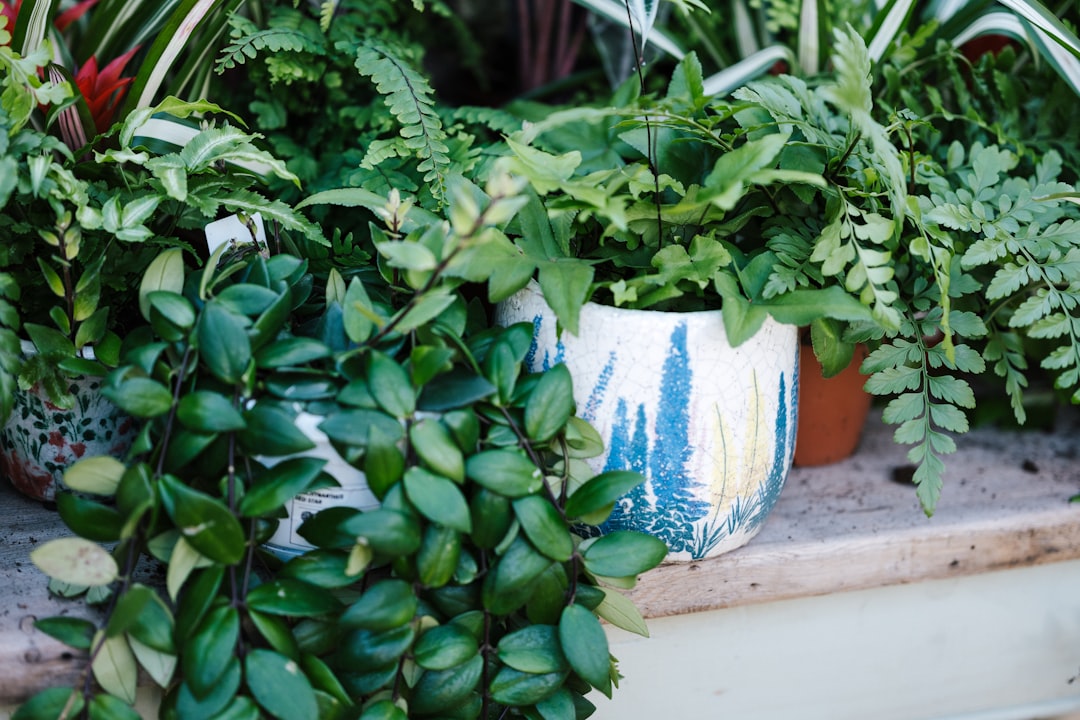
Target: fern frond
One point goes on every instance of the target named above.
(247, 45)
(410, 99)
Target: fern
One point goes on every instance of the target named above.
(248, 41)
(929, 395)
(410, 99)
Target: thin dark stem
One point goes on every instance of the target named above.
(171, 419)
(650, 141)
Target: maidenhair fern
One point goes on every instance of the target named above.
(410, 99)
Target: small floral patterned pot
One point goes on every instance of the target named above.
(40, 440)
(711, 427)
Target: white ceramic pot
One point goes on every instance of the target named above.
(710, 426)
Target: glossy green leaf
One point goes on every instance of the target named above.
(458, 388)
(550, 404)
(502, 368)
(507, 472)
(624, 554)
(272, 431)
(427, 361)
(247, 298)
(533, 649)
(205, 522)
(444, 647)
(599, 494)
(441, 691)
(389, 532)
(139, 396)
(492, 515)
(207, 654)
(384, 605)
(208, 412)
(370, 650)
(353, 427)
(435, 446)
(280, 483)
(438, 556)
(108, 707)
(50, 704)
(515, 688)
(291, 351)
(76, 561)
(285, 596)
(275, 632)
(391, 386)
(154, 625)
(324, 568)
(76, 632)
(383, 710)
(586, 647)
(89, 519)
(621, 612)
(175, 308)
(160, 666)
(128, 606)
(280, 686)
(384, 462)
(438, 499)
(221, 696)
(223, 343)
(97, 475)
(507, 584)
(359, 314)
(544, 526)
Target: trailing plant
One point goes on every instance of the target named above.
(465, 593)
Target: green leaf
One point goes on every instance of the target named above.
(550, 404)
(291, 351)
(391, 386)
(285, 596)
(164, 274)
(279, 484)
(50, 704)
(359, 314)
(438, 499)
(387, 531)
(444, 647)
(205, 522)
(280, 686)
(515, 688)
(435, 447)
(204, 411)
(384, 605)
(507, 472)
(492, 516)
(598, 495)
(223, 343)
(566, 286)
(544, 526)
(442, 691)
(271, 430)
(586, 647)
(369, 650)
(621, 612)
(533, 649)
(76, 632)
(89, 519)
(438, 556)
(507, 585)
(76, 561)
(624, 553)
(139, 396)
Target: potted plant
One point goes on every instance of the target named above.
(78, 232)
(466, 592)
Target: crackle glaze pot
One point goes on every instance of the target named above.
(710, 426)
(40, 440)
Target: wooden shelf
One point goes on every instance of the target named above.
(843, 527)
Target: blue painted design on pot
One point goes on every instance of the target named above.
(710, 426)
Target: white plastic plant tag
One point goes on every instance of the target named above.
(236, 230)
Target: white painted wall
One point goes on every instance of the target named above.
(996, 646)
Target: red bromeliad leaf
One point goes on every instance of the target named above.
(72, 14)
(104, 90)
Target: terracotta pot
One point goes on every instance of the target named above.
(710, 426)
(832, 411)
